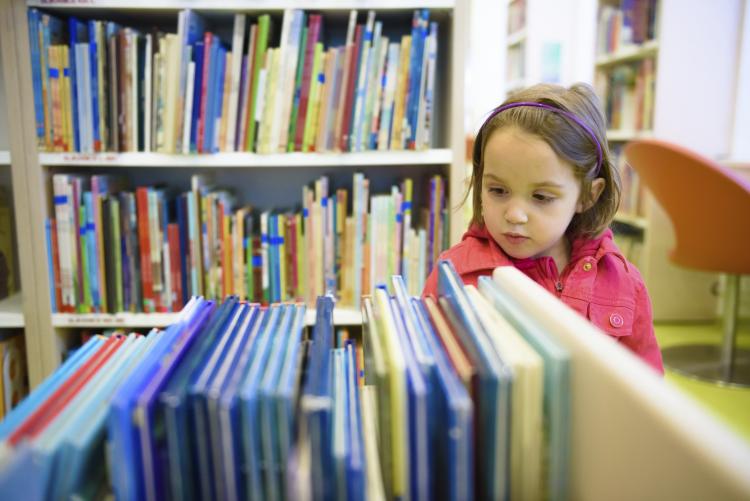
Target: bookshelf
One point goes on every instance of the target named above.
(540, 43)
(652, 84)
(264, 179)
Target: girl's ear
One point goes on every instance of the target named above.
(597, 187)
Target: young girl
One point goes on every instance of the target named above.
(544, 192)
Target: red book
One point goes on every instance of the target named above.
(173, 237)
(207, 38)
(351, 88)
(313, 33)
(57, 402)
(56, 268)
(257, 254)
(141, 202)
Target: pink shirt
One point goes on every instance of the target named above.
(598, 282)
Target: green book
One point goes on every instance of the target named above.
(297, 89)
(85, 307)
(114, 214)
(264, 28)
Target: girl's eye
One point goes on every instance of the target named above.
(540, 197)
(497, 191)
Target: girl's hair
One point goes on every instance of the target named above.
(569, 140)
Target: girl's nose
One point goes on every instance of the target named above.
(515, 214)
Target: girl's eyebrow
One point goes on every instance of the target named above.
(548, 184)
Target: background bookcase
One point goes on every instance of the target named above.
(268, 180)
(693, 39)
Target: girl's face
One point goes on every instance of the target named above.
(529, 196)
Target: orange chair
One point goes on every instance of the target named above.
(709, 207)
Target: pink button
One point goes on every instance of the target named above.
(615, 320)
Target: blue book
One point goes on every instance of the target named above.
(556, 410)
(453, 434)
(197, 398)
(285, 395)
(242, 338)
(151, 425)
(269, 442)
(94, 55)
(213, 71)
(36, 72)
(28, 405)
(250, 410)
(230, 422)
(316, 399)
(92, 255)
(495, 380)
(50, 264)
(182, 222)
(127, 481)
(173, 405)
(417, 414)
(77, 33)
(356, 470)
(198, 56)
(420, 25)
(219, 98)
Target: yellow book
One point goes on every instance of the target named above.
(311, 120)
(281, 232)
(396, 369)
(227, 275)
(270, 98)
(324, 109)
(172, 93)
(397, 142)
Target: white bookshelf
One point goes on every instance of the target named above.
(287, 171)
(11, 312)
(341, 317)
(4, 157)
(242, 5)
(695, 50)
(621, 135)
(250, 160)
(517, 37)
(629, 54)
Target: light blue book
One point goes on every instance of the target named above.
(453, 431)
(495, 380)
(556, 409)
(250, 408)
(356, 468)
(39, 395)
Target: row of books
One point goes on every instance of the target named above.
(465, 396)
(632, 197)
(628, 95)
(100, 86)
(631, 23)
(111, 249)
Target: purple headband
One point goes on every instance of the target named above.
(570, 116)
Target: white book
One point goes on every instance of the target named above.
(276, 103)
(236, 72)
(290, 73)
(186, 129)
(357, 209)
(182, 60)
(63, 215)
(372, 87)
(147, 90)
(265, 280)
(425, 116)
(172, 92)
(389, 95)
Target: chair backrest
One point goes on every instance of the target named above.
(709, 205)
